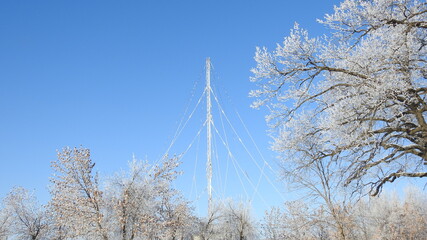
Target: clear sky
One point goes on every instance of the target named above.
(116, 77)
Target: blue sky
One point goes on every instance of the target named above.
(116, 77)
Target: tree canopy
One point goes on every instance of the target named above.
(355, 97)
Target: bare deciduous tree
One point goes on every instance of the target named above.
(297, 220)
(228, 220)
(28, 220)
(237, 222)
(176, 214)
(389, 217)
(319, 181)
(77, 200)
(208, 227)
(374, 218)
(129, 197)
(360, 92)
(140, 204)
(4, 223)
(144, 203)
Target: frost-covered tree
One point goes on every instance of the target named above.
(271, 225)
(130, 201)
(4, 223)
(320, 183)
(77, 201)
(143, 203)
(28, 220)
(374, 218)
(356, 97)
(236, 222)
(389, 217)
(208, 227)
(297, 220)
(177, 217)
(139, 204)
(3, 229)
(228, 220)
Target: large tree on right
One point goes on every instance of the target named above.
(354, 99)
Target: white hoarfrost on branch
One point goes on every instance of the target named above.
(77, 201)
(4, 223)
(228, 220)
(237, 222)
(382, 217)
(356, 97)
(145, 205)
(27, 219)
(139, 204)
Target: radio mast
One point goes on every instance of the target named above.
(209, 134)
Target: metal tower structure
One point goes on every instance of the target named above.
(209, 134)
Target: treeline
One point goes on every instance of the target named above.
(348, 117)
(141, 203)
(385, 217)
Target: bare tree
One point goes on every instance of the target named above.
(392, 218)
(144, 203)
(139, 204)
(359, 92)
(373, 218)
(271, 225)
(237, 222)
(297, 221)
(76, 196)
(228, 220)
(177, 217)
(208, 227)
(129, 201)
(28, 219)
(4, 223)
(320, 182)
(388, 217)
